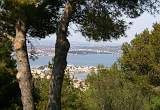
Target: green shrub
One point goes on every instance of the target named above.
(108, 90)
(71, 97)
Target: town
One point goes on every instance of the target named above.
(44, 72)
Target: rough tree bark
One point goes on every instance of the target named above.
(24, 76)
(61, 49)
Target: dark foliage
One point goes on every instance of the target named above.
(40, 18)
(102, 19)
(9, 89)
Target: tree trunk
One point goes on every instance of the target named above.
(24, 73)
(61, 50)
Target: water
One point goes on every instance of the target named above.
(81, 76)
(80, 60)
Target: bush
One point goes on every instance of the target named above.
(71, 97)
(109, 90)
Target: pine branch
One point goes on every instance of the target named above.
(9, 37)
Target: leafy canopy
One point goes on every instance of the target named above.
(102, 19)
(96, 19)
(39, 17)
(142, 55)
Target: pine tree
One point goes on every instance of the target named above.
(142, 56)
(97, 20)
(19, 19)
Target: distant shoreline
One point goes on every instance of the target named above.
(48, 51)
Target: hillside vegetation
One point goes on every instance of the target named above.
(132, 83)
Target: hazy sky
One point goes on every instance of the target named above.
(139, 24)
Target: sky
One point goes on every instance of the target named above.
(76, 39)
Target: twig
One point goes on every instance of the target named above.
(9, 37)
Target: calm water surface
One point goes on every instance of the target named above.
(79, 60)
